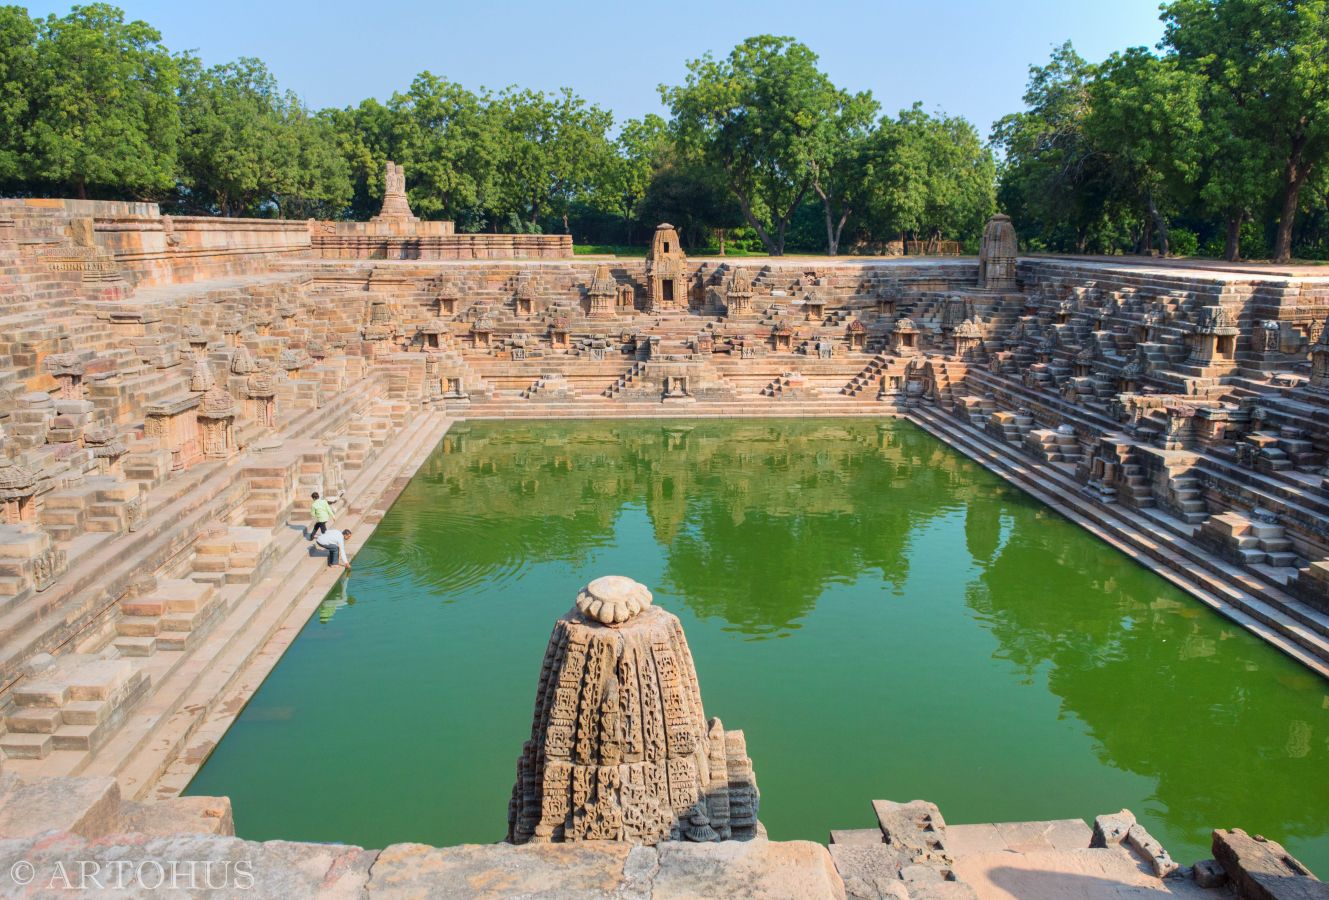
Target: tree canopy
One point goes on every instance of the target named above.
(1222, 130)
(1216, 141)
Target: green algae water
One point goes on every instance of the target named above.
(880, 615)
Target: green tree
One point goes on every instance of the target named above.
(761, 117)
(550, 149)
(1145, 120)
(251, 149)
(642, 149)
(102, 116)
(367, 136)
(18, 66)
(838, 162)
(694, 199)
(233, 151)
(1051, 181)
(440, 134)
(1267, 63)
(932, 176)
(318, 185)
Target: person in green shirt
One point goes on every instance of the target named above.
(321, 512)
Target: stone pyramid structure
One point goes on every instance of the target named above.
(620, 748)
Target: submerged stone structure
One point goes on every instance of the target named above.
(620, 748)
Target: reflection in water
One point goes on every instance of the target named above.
(885, 618)
(336, 599)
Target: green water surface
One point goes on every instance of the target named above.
(880, 615)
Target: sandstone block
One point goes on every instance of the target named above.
(86, 806)
(770, 869)
(589, 869)
(1110, 830)
(1261, 869)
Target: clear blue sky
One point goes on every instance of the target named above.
(965, 57)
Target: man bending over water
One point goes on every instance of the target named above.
(335, 543)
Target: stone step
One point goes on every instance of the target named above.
(1285, 622)
(198, 684)
(26, 746)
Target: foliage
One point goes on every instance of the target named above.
(248, 148)
(1225, 127)
(96, 111)
(930, 176)
(761, 151)
(763, 117)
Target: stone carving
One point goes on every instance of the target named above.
(68, 369)
(216, 415)
(202, 378)
(904, 337)
(17, 487)
(620, 748)
(47, 566)
(602, 294)
(738, 295)
(525, 296)
(967, 338)
(613, 599)
(81, 254)
(395, 204)
(996, 255)
(666, 270)
(292, 361)
(241, 362)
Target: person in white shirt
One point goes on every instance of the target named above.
(335, 543)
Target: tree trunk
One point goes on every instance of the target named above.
(1232, 245)
(832, 233)
(1294, 178)
(1160, 224)
(745, 206)
(1146, 237)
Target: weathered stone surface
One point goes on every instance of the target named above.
(1209, 874)
(870, 872)
(587, 869)
(1111, 829)
(1261, 869)
(1151, 851)
(184, 866)
(757, 869)
(1110, 873)
(177, 815)
(32, 806)
(916, 827)
(620, 748)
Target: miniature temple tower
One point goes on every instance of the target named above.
(602, 294)
(666, 270)
(738, 294)
(996, 255)
(620, 748)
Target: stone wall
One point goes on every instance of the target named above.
(150, 249)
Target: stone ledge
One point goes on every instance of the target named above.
(798, 870)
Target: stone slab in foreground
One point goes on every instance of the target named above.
(209, 866)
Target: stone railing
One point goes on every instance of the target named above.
(361, 240)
